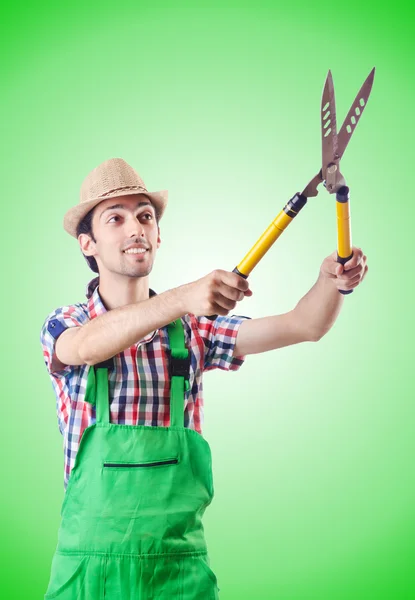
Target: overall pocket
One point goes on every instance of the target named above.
(199, 582)
(143, 464)
(67, 574)
(205, 564)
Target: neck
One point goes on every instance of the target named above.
(119, 290)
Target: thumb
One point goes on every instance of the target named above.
(339, 270)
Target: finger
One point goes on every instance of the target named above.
(345, 281)
(338, 269)
(342, 281)
(234, 280)
(355, 260)
(347, 285)
(223, 301)
(352, 272)
(354, 285)
(230, 293)
(218, 310)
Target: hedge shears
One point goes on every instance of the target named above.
(333, 146)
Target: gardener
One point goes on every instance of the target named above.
(127, 368)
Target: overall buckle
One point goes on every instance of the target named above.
(105, 364)
(179, 367)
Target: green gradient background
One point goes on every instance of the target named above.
(313, 445)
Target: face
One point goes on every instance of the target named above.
(118, 223)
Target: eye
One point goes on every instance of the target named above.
(117, 217)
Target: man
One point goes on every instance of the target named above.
(127, 368)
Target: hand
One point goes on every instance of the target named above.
(348, 276)
(215, 294)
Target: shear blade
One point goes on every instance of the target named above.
(354, 114)
(328, 124)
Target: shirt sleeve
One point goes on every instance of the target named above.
(219, 337)
(55, 323)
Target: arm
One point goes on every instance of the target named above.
(112, 332)
(314, 314)
(121, 327)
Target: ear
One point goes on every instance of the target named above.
(158, 238)
(87, 244)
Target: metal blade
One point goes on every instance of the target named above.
(311, 188)
(355, 113)
(328, 124)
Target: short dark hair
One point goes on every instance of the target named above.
(85, 226)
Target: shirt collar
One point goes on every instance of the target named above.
(96, 307)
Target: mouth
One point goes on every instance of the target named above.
(136, 252)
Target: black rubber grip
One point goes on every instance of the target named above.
(239, 273)
(293, 206)
(342, 194)
(343, 261)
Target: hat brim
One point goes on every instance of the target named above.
(75, 214)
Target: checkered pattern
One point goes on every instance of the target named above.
(139, 384)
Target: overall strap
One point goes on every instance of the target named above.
(179, 368)
(97, 390)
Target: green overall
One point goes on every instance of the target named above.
(131, 525)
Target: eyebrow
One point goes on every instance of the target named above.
(122, 206)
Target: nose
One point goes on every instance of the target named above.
(135, 228)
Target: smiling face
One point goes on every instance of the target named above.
(118, 223)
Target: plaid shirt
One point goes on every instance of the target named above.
(139, 385)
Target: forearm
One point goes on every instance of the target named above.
(112, 332)
(319, 308)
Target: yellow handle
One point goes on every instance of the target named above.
(271, 234)
(264, 243)
(344, 234)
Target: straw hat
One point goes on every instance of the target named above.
(110, 179)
